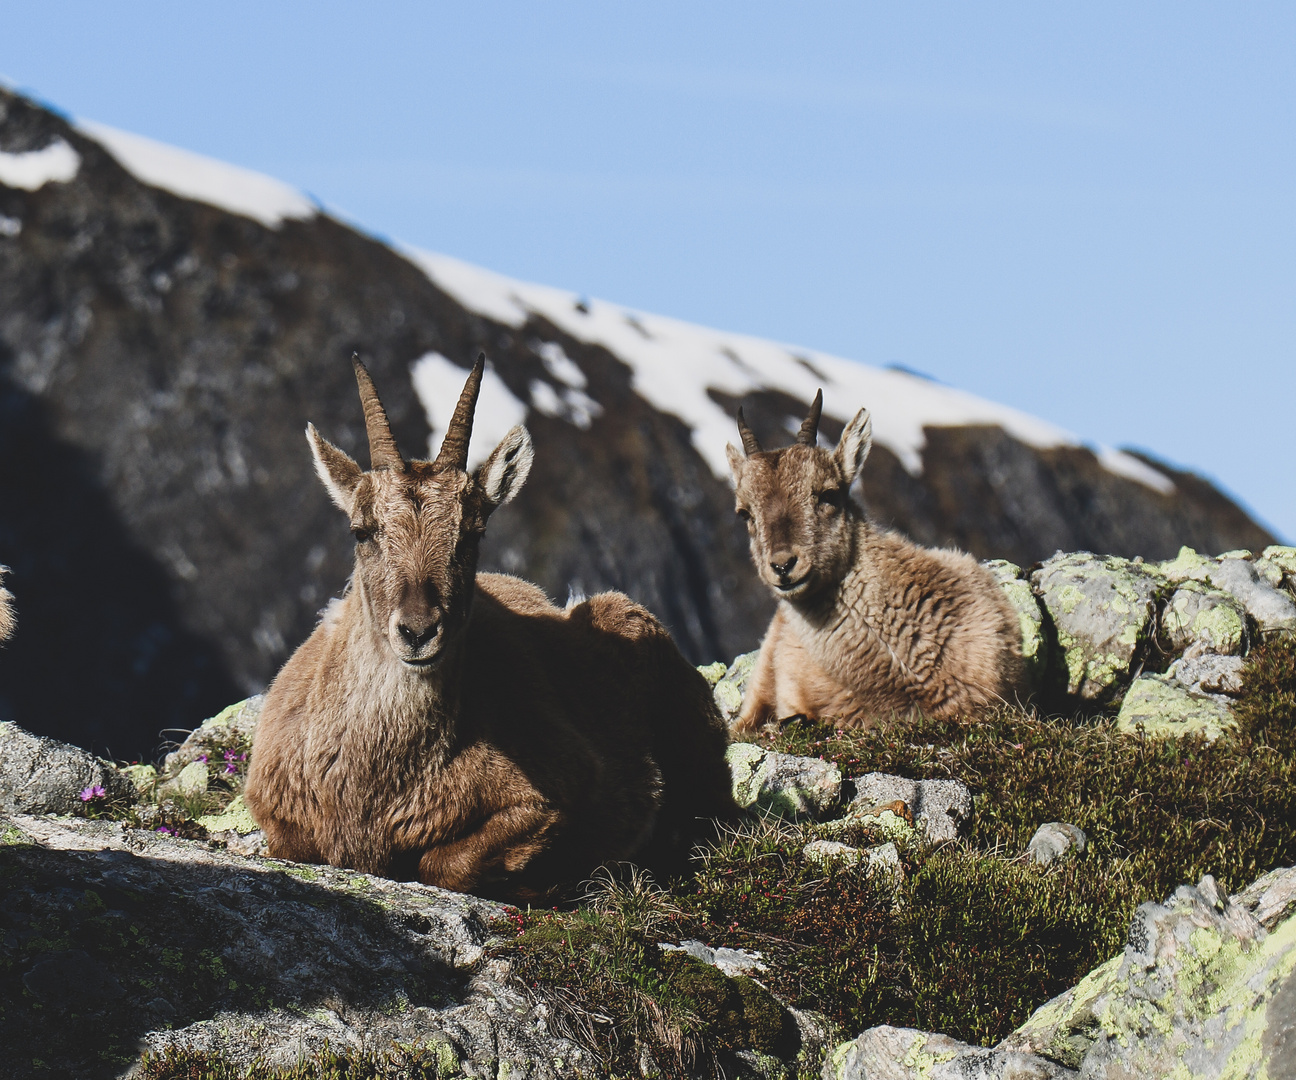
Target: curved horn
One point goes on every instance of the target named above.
(809, 433)
(750, 444)
(454, 447)
(382, 446)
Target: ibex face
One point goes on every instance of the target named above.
(418, 524)
(796, 504)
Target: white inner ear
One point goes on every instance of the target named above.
(340, 488)
(508, 466)
(855, 443)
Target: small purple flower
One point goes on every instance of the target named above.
(93, 792)
(230, 758)
(202, 758)
(165, 829)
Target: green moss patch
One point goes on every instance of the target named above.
(437, 1062)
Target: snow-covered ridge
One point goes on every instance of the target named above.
(33, 169)
(203, 179)
(675, 363)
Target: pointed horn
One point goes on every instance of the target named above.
(382, 445)
(749, 441)
(809, 433)
(454, 447)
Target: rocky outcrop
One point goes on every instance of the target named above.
(124, 939)
(160, 357)
(44, 776)
(1206, 987)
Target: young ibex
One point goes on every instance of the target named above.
(8, 620)
(868, 623)
(458, 728)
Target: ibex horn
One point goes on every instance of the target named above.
(750, 445)
(382, 446)
(809, 433)
(454, 447)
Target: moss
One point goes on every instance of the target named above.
(436, 1060)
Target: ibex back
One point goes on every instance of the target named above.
(458, 728)
(868, 623)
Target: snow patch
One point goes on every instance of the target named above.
(33, 169)
(674, 364)
(194, 176)
(438, 383)
(1130, 467)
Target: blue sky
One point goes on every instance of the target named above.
(1088, 212)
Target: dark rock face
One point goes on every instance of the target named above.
(159, 360)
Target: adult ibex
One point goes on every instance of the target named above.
(458, 728)
(868, 623)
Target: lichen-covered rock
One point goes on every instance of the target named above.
(895, 1053)
(175, 944)
(45, 776)
(938, 807)
(1203, 989)
(829, 853)
(1055, 840)
(1017, 589)
(1102, 608)
(1257, 584)
(729, 688)
(1271, 898)
(1282, 557)
(782, 785)
(1209, 674)
(1162, 707)
(231, 727)
(236, 818)
(1198, 619)
(189, 782)
(731, 962)
(1272, 609)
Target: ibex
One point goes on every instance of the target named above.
(868, 623)
(8, 620)
(456, 727)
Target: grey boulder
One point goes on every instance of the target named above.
(1102, 608)
(179, 945)
(1055, 840)
(782, 785)
(45, 776)
(938, 807)
(897, 1053)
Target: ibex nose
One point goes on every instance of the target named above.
(785, 567)
(419, 634)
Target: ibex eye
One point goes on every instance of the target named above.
(361, 534)
(743, 514)
(830, 497)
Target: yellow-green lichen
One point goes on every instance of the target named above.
(236, 817)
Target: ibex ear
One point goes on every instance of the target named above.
(736, 458)
(854, 445)
(338, 471)
(505, 471)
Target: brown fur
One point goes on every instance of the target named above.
(8, 620)
(490, 743)
(868, 623)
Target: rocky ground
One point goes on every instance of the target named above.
(1002, 899)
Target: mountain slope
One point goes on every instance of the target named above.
(169, 324)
